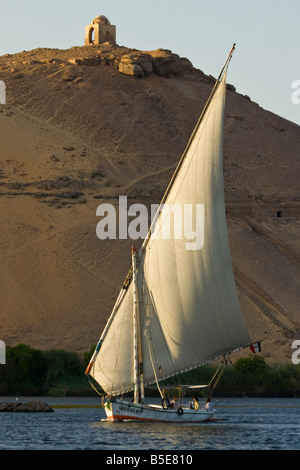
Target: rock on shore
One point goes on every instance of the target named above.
(30, 407)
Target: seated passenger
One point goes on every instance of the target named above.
(208, 405)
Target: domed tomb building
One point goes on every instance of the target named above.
(100, 31)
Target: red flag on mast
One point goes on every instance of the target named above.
(255, 347)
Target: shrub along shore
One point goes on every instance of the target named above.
(56, 372)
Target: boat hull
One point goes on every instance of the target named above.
(121, 410)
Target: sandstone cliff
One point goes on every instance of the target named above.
(85, 125)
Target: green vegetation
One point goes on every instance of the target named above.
(250, 376)
(31, 372)
(56, 372)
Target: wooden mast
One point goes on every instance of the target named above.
(137, 345)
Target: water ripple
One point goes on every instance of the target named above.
(248, 424)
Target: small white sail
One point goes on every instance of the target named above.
(188, 304)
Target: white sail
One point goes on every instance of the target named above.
(188, 304)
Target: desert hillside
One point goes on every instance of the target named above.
(79, 129)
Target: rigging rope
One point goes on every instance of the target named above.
(150, 354)
(217, 375)
(93, 386)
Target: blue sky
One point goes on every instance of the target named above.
(264, 66)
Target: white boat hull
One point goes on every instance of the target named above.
(120, 410)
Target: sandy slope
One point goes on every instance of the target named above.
(72, 136)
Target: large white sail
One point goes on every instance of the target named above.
(188, 304)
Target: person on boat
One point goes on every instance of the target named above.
(208, 405)
(194, 405)
(174, 403)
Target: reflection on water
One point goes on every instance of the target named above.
(253, 424)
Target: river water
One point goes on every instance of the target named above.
(245, 424)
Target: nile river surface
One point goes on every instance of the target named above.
(246, 424)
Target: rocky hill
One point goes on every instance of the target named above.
(86, 125)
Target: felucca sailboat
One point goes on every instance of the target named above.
(178, 307)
